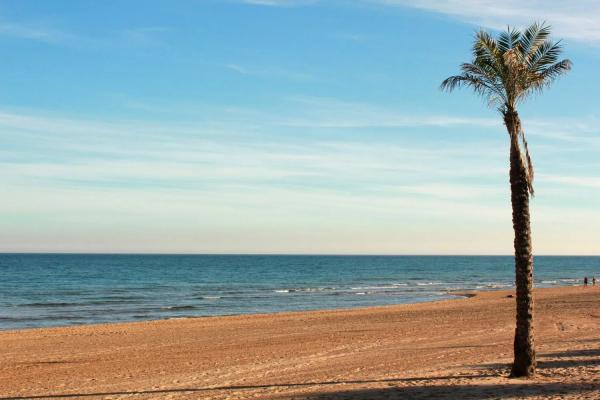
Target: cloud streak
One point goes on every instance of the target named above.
(198, 153)
(576, 19)
(279, 3)
(199, 179)
(32, 32)
(272, 72)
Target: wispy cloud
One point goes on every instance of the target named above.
(144, 36)
(32, 32)
(583, 133)
(149, 179)
(270, 72)
(579, 181)
(335, 113)
(238, 68)
(575, 19)
(279, 3)
(242, 147)
(354, 37)
(187, 154)
(131, 37)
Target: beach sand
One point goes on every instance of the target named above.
(455, 349)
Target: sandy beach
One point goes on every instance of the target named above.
(455, 349)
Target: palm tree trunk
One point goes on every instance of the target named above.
(524, 362)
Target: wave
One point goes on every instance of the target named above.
(48, 304)
(83, 303)
(495, 285)
(305, 290)
(380, 287)
(117, 297)
(178, 308)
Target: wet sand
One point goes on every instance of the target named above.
(455, 349)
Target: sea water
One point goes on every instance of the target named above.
(40, 290)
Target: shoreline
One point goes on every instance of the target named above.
(458, 346)
(453, 296)
(458, 295)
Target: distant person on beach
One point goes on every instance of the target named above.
(585, 281)
(593, 281)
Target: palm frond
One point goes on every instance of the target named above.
(508, 40)
(533, 37)
(486, 52)
(547, 53)
(554, 71)
(543, 79)
(506, 70)
(478, 84)
(487, 75)
(527, 162)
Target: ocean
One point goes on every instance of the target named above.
(42, 290)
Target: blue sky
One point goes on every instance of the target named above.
(272, 126)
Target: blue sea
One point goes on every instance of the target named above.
(41, 290)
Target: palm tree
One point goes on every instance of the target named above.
(505, 71)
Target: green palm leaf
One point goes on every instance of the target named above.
(512, 66)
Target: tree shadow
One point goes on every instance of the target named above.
(570, 359)
(405, 388)
(455, 392)
(588, 340)
(245, 387)
(574, 353)
(561, 359)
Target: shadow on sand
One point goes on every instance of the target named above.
(547, 361)
(403, 388)
(244, 387)
(456, 392)
(423, 389)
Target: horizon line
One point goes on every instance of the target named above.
(285, 254)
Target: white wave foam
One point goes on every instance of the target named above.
(494, 285)
(309, 289)
(375, 287)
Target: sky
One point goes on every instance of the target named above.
(282, 126)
